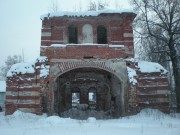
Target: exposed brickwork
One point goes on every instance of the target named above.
(23, 92)
(81, 52)
(153, 91)
(99, 66)
(119, 32)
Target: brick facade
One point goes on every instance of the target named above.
(80, 67)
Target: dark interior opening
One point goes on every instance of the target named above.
(73, 37)
(101, 35)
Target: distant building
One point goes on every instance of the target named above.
(2, 94)
(83, 53)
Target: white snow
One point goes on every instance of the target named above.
(44, 72)
(148, 67)
(2, 86)
(147, 122)
(21, 68)
(116, 46)
(59, 45)
(132, 75)
(41, 59)
(131, 59)
(85, 13)
(85, 44)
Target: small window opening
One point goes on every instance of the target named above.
(88, 57)
(101, 35)
(92, 99)
(75, 99)
(73, 37)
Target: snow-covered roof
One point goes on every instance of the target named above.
(2, 86)
(21, 68)
(85, 13)
(149, 67)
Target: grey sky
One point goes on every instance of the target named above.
(20, 24)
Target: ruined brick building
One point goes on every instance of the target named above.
(86, 64)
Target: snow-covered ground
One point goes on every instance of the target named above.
(147, 122)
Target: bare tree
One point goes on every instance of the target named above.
(53, 6)
(93, 6)
(102, 5)
(8, 63)
(117, 4)
(161, 21)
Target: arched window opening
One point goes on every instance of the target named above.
(75, 94)
(92, 98)
(101, 35)
(73, 37)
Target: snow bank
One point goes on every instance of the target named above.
(149, 67)
(2, 86)
(147, 122)
(85, 13)
(21, 68)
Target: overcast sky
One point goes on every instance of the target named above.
(20, 24)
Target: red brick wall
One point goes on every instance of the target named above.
(24, 93)
(119, 30)
(80, 52)
(153, 91)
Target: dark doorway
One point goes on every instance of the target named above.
(73, 37)
(101, 35)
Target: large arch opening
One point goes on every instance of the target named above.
(87, 92)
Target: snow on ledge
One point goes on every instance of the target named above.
(2, 86)
(85, 13)
(132, 60)
(84, 44)
(149, 67)
(41, 59)
(21, 68)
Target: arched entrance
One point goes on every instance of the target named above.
(88, 89)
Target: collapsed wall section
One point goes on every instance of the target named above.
(23, 88)
(152, 90)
